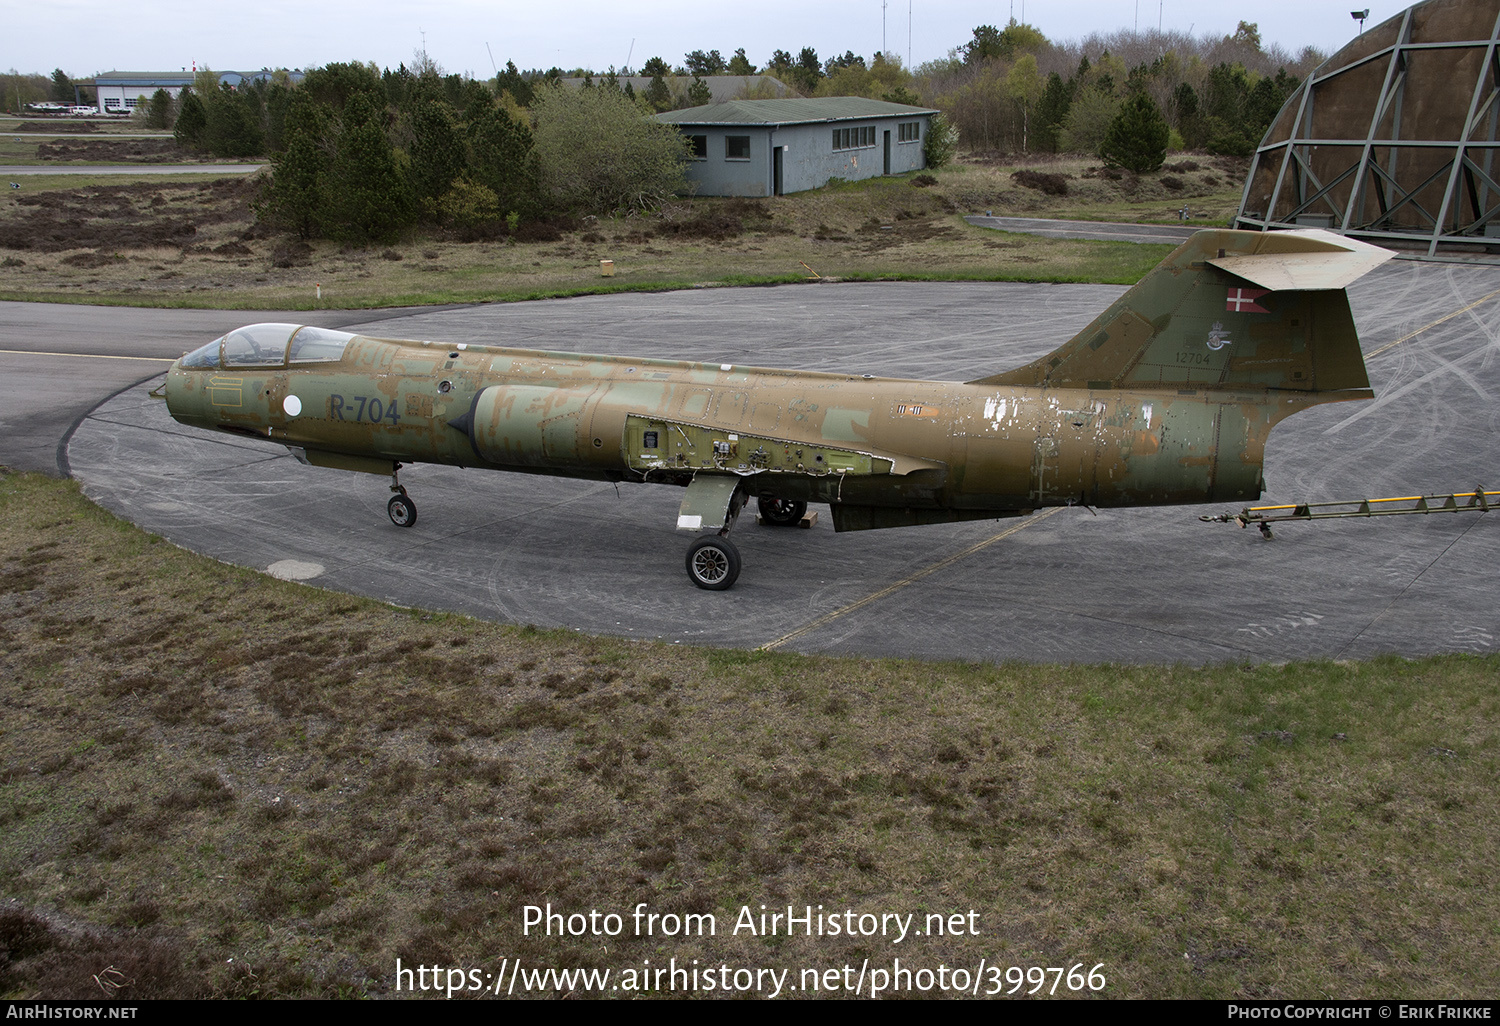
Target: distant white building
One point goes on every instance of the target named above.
(120, 92)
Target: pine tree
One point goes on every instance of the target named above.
(233, 123)
(159, 110)
(510, 81)
(295, 197)
(1051, 111)
(191, 121)
(437, 151)
(370, 197)
(658, 95)
(503, 161)
(1189, 118)
(1137, 138)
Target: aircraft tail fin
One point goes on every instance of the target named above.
(1226, 310)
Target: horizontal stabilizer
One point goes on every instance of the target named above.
(1304, 259)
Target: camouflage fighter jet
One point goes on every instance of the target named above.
(1166, 398)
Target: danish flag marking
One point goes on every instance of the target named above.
(1244, 301)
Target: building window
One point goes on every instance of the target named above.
(909, 131)
(131, 101)
(853, 138)
(111, 102)
(699, 145)
(736, 147)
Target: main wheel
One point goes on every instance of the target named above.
(402, 510)
(780, 512)
(713, 562)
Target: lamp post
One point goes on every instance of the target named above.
(1360, 17)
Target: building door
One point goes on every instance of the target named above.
(887, 152)
(776, 187)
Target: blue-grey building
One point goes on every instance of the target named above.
(771, 147)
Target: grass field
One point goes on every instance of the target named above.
(36, 142)
(213, 783)
(170, 242)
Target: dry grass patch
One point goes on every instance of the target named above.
(222, 784)
(906, 227)
(1073, 187)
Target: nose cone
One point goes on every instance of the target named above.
(185, 391)
(188, 384)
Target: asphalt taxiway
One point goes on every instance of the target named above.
(1146, 585)
(19, 170)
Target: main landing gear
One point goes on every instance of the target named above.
(712, 501)
(402, 510)
(713, 562)
(780, 512)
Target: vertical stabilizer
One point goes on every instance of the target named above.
(1226, 310)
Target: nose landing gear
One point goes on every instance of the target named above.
(402, 511)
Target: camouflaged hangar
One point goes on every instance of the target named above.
(1392, 138)
(772, 147)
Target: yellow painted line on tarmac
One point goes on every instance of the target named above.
(86, 356)
(1427, 327)
(941, 564)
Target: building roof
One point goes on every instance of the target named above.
(179, 78)
(789, 111)
(144, 78)
(721, 88)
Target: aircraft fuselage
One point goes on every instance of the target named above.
(942, 450)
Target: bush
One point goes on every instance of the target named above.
(470, 208)
(1137, 137)
(599, 152)
(1230, 143)
(1088, 119)
(1050, 184)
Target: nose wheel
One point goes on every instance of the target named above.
(402, 511)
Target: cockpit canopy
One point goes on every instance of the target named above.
(270, 345)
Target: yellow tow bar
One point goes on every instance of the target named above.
(1477, 501)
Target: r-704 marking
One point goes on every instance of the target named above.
(378, 411)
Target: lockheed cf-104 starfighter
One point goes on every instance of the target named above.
(1167, 397)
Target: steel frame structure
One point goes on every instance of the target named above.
(1341, 155)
